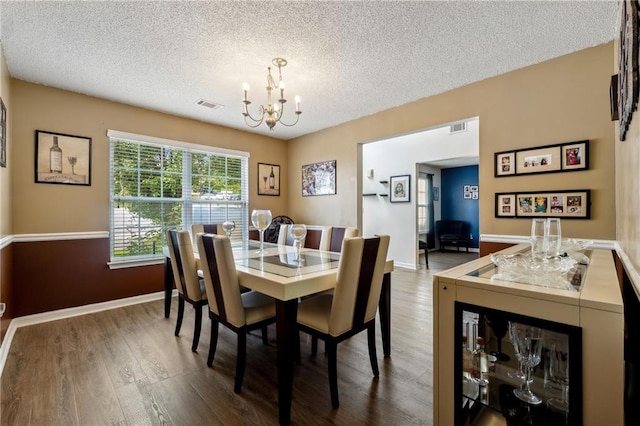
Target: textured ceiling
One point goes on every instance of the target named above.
(346, 59)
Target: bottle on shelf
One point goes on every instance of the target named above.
(55, 157)
(480, 369)
(272, 179)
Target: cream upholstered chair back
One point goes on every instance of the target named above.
(318, 237)
(176, 261)
(359, 282)
(205, 228)
(221, 278)
(191, 282)
(335, 237)
(284, 239)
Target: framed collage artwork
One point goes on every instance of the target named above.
(571, 204)
(564, 157)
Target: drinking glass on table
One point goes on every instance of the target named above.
(554, 237)
(261, 219)
(539, 238)
(298, 232)
(228, 227)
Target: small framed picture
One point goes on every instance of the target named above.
(62, 158)
(3, 134)
(467, 195)
(436, 193)
(575, 156)
(466, 188)
(505, 163)
(474, 195)
(400, 187)
(505, 205)
(268, 179)
(473, 188)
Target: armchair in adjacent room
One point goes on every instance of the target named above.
(455, 233)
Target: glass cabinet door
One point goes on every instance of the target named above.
(515, 370)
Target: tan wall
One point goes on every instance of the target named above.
(6, 294)
(46, 208)
(561, 100)
(5, 178)
(628, 198)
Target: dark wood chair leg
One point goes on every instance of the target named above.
(240, 360)
(371, 337)
(265, 335)
(314, 345)
(332, 352)
(213, 343)
(298, 357)
(180, 315)
(197, 328)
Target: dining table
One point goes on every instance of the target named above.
(287, 275)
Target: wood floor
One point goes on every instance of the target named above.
(125, 367)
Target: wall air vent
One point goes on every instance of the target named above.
(209, 104)
(458, 127)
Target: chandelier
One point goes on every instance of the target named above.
(273, 112)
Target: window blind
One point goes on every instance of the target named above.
(159, 184)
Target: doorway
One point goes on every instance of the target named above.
(447, 146)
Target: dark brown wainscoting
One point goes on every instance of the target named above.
(488, 248)
(51, 275)
(6, 288)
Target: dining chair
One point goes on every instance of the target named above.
(205, 228)
(315, 238)
(189, 285)
(239, 312)
(352, 307)
(337, 234)
(272, 233)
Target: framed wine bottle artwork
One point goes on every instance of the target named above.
(62, 159)
(268, 179)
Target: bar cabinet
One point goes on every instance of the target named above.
(577, 374)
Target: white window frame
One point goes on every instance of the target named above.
(185, 200)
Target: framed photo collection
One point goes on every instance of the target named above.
(570, 204)
(565, 157)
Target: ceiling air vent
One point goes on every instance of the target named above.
(458, 127)
(209, 104)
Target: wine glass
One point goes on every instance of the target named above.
(499, 327)
(228, 227)
(529, 341)
(261, 219)
(519, 374)
(72, 161)
(265, 182)
(559, 370)
(554, 237)
(538, 239)
(298, 232)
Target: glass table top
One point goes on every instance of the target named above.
(282, 261)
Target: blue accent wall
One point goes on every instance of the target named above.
(453, 204)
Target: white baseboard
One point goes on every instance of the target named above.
(69, 313)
